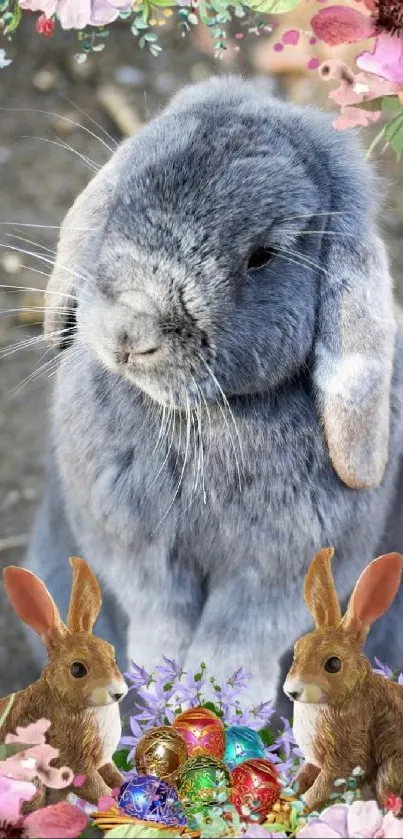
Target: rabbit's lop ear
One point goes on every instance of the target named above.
(86, 598)
(354, 355)
(373, 594)
(319, 591)
(84, 220)
(32, 602)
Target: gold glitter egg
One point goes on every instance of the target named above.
(161, 752)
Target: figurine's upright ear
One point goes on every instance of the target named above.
(373, 594)
(86, 598)
(87, 216)
(32, 602)
(354, 355)
(319, 591)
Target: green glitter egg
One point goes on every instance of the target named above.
(203, 780)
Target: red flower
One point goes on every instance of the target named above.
(45, 26)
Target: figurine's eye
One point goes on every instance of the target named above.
(78, 670)
(260, 258)
(332, 664)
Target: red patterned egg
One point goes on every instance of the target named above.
(202, 731)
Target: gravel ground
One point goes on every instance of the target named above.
(38, 182)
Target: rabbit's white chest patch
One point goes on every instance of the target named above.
(306, 717)
(109, 725)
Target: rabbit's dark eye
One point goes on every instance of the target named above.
(78, 670)
(260, 257)
(332, 664)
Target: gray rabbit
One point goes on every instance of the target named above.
(231, 397)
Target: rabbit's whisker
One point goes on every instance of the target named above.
(90, 119)
(170, 428)
(27, 343)
(184, 460)
(228, 406)
(69, 121)
(90, 163)
(46, 226)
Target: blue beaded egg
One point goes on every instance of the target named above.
(242, 743)
(147, 797)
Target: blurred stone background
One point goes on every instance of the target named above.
(41, 172)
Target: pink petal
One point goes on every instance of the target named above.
(48, 7)
(12, 795)
(386, 60)
(354, 117)
(106, 11)
(58, 821)
(392, 828)
(34, 732)
(73, 14)
(342, 25)
(105, 803)
(318, 830)
(336, 817)
(364, 818)
(291, 37)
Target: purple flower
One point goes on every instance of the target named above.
(190, 691)
(127, 740)
(138, 676)
(170, 671)
(383, 669)
(239, 679)
(155, 708)
(400, 679)
(362, 818)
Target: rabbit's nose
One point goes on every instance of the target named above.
(118, 696)
(295, 695)
(142, 341)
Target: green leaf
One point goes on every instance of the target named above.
(394, 134)
(267, 736)
(7, 710)
(120, 760)
(11, 749)
(137, 831)
(273, 7)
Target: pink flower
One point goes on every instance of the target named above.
(386, 60)
(342, 25)
(77, 14)
(34, 761)
(12, 795)
(362, 818)
(354, 89)
(58, 821)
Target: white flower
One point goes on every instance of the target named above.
(4, 61)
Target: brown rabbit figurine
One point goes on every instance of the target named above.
(79, 688)
(344, 714)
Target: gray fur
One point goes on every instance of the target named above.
(202, 522)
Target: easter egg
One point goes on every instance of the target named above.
(242, 743)
(203, 780)
(255, 788)
(202, 731)
(161, 752)
(147, 797)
